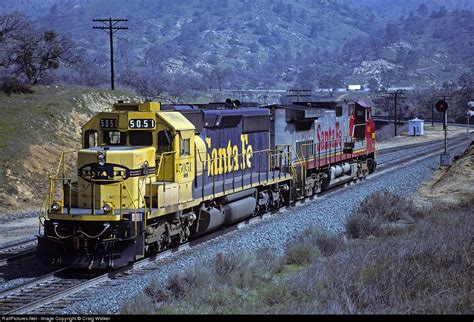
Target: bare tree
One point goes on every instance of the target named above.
(28, 54)
(423, 10)
(11, 27)
(221, 73)
(38, 54)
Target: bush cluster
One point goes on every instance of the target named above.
(380, 214)
(11, 85)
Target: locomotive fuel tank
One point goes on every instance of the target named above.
(340, 169)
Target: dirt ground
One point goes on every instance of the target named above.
(18, 229)
(449, 185)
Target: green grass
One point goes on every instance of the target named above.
(40, 119)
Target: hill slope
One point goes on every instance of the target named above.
(34, 130)
(266, 44)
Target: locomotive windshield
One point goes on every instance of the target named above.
(135, 138)
(140, 138)
(114, 138)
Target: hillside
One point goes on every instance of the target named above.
(209, 44)
(396, 8)
(34, 130)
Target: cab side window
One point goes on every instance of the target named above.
(91, 139)
(164, 141)
(185, 145)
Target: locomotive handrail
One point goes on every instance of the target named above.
(62, 161)
(160, 159)
(302, 167)
(120, 182)
(270, 153)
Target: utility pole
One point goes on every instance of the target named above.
(398, 94)
(111, 25)
(428, 106)
(470, 113)
(432, 114)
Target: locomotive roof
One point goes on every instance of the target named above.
(331, 105)
(176, 120)
(244, 111)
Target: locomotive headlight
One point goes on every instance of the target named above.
(101, 158)
(107, 208)
(56, 206)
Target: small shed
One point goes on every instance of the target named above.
(416, 127)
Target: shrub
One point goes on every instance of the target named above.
(13, 85)
(181, 284)
(140, 304)
(158, 292)
(329, 244)
(275, 294)
(303, 249)
(243, 269)
(425, 271)
(378, 210)
(300, 253)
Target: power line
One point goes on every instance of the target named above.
(111, 25)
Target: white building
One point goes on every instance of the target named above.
(416, 127)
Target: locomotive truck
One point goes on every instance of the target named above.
(152, 176)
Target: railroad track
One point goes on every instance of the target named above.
(436, 145)
(18, 250)
(415, 145)
(32, 294)
(53, 291)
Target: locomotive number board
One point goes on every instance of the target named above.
(108, 123)
(141, 124)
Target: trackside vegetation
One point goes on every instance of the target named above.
(392, 259)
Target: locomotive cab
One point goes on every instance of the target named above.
(135, 161)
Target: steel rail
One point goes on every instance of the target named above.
(415, 145)
(15, 244)
(17, 250)
(433, 146)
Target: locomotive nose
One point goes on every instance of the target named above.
(115, 174)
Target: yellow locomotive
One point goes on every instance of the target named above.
(150, 177)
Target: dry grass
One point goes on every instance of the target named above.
(424, 269)
(380, 214)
